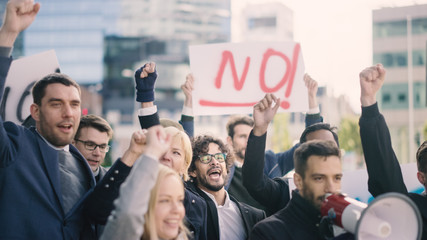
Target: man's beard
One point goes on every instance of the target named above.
(240, 153)
(315, 201)
(202, 180)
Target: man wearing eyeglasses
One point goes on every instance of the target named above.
(91, 140)
(227, 218)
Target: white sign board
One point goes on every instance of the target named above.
(23, 73)
(232, 77)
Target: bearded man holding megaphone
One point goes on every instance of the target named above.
(383, 167)
(318, 172)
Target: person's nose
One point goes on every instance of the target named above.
(214, 161)
(67, 111)
(96, 151)
(176, 206)
(331, 186)
(167, 156)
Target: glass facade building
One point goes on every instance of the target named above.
(391, 48)
(97, 41)
(75, 30)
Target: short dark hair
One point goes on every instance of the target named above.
(317, 127)
(96, 122)
(310, 148)
(422, 157)
(39, 87)
(237, 120)
(200, 146)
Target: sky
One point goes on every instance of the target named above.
(335, 37)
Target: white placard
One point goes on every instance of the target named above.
(232, 77)
(23, 73)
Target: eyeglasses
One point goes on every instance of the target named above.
(207, 158)
(91, 146)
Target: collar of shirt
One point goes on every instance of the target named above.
(230, 221)
(96, 172)
(238, 164)
(66, 148)
(227, 199)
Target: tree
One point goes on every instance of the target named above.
(349, 137)
(280, 140)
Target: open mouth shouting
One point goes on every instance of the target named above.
(215, 173)
(65, 127)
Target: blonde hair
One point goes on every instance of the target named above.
(176, 134)
(150, 232)
(170, 123)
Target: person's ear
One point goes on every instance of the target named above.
(193, 174)
(35, 112)
(421, 178)
(229, 141)
(298, 181)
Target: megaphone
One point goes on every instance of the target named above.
(388, 216)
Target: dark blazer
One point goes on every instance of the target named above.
(30, 190)
(31, 200)
(382, 164)
(101, 174)
(273, 194)
(99, 204)
(250, 215)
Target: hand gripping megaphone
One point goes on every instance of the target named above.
(388, 216)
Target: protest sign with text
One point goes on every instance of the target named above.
(23, 73)
(232, 77)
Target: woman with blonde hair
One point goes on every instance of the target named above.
(150, 205)
(180, 153)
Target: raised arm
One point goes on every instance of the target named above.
(145, 79)
(263, 189)
(279, 164)
(187, 118)
(383, 167)
(99, 203)
(18, 16)
(313, 115)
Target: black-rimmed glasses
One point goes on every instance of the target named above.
(91, 146)
(207, 158)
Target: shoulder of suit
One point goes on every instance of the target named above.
(245, 208)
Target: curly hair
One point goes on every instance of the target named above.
(201, 146)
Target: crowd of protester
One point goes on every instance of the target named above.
(169, 183)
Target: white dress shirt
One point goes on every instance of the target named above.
(230, 221)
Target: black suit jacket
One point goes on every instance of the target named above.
(250, 215)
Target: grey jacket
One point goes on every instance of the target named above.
(127, 220)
